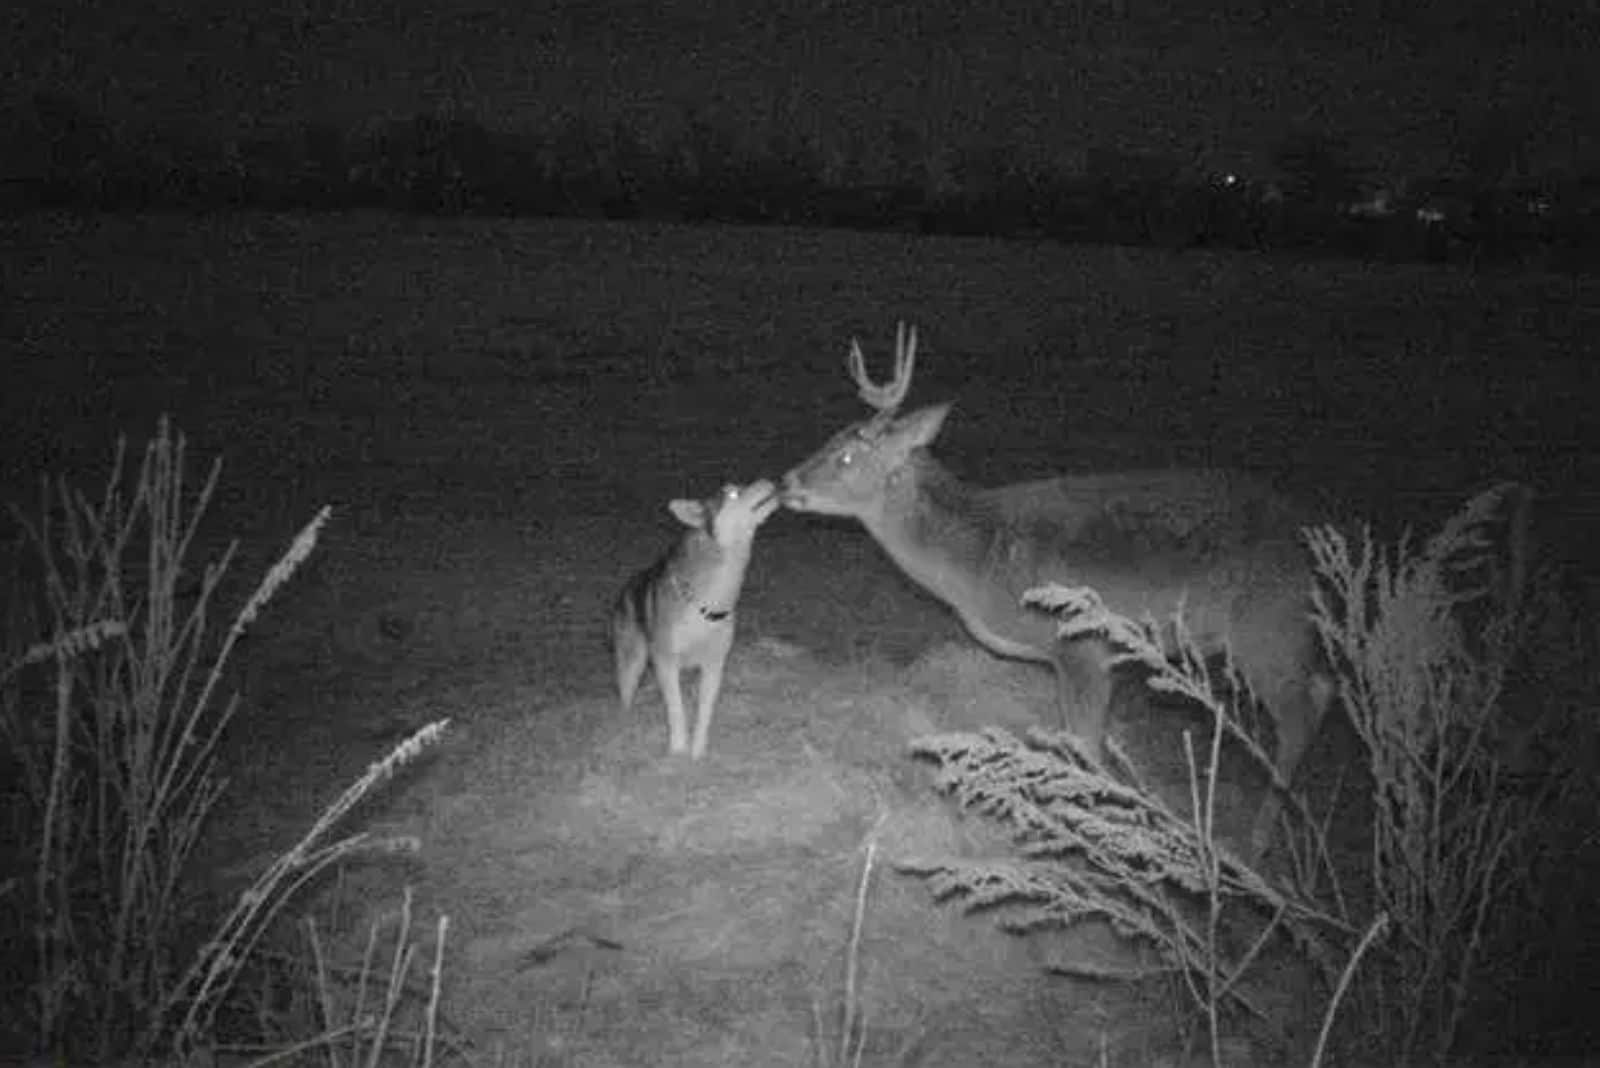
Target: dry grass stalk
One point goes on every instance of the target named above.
(118, 761)
(1423, 641)
(1095, 843)
(206, 982)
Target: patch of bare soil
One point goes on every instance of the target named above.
(613, 905)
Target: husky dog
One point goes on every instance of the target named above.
(679, 612)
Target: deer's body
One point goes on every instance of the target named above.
(679, 613)
(1221, 546)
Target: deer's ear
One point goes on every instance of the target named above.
(689, 513)
(923, 425)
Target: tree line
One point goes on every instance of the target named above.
(64, 156)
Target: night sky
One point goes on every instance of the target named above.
(1217, 83)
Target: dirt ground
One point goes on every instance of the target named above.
(497, 413)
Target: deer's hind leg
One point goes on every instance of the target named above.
(1083, 689)
(1297, 709)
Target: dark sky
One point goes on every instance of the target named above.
(1217, 82)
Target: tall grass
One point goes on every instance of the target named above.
(1096, 842)
(1421, 642)
(111, 712)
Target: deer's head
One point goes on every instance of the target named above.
(851, 474)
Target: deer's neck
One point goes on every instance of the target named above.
(954, 541)
(931, 523)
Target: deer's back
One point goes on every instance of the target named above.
(1223, 544)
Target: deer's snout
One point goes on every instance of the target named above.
(791, 494)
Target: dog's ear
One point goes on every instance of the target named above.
(690, 513)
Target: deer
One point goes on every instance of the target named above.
(679, 613)
(1222, 546)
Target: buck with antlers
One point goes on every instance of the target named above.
(1220, 545)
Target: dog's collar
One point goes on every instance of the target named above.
(709, 614)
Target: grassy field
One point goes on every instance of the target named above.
(498, 412)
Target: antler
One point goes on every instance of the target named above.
(887, 397)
